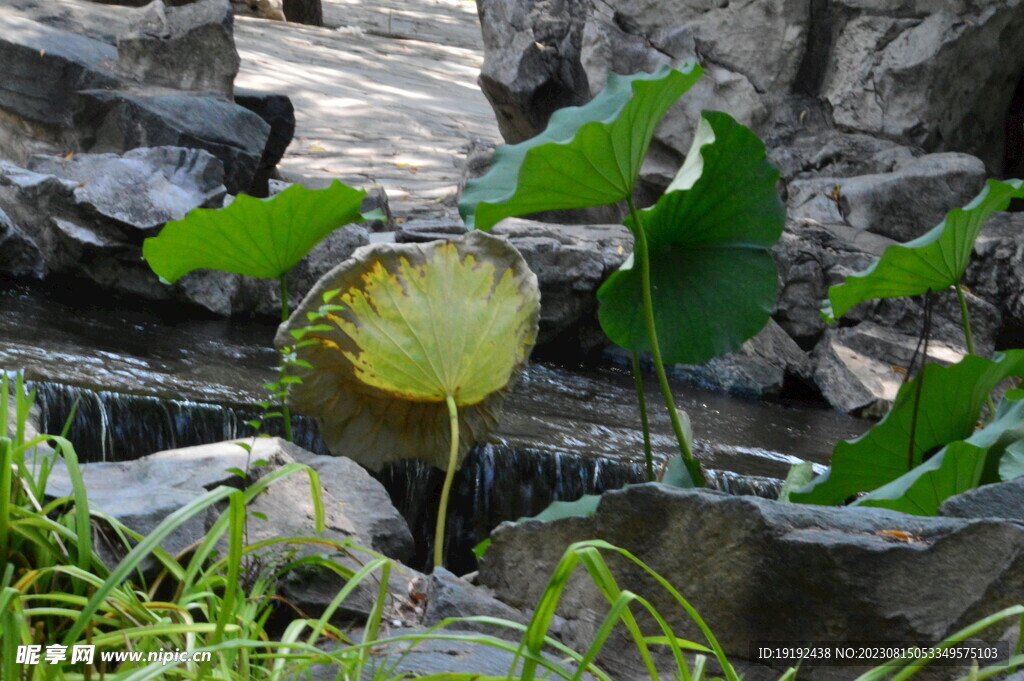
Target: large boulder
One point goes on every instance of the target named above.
(141, 189)
(998, 500)
(126, 119)
(191, 47)
(141, 493)
(760, 570)
(44, 69)
(937, 76)
(997, 272)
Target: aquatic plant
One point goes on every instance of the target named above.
(410, 349)
(261, 238)
(700, 280)
(926, 448)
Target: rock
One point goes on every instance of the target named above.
(376, 519)
(571, 263)
(433, 657)
(191, 47)
(20, 256)
(277, 111)
(760, 369)
(44, 68)
(909, 201)
(811, 257)
(142, 189)
(758, 570)
(126, 119)
(998, 500)
(377, 199)
(451, 596)
(823, 152)
(141, 493)
(852, 381)
(938, 78)
(997, 271)
(308, 12)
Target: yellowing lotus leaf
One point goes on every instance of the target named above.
(413, 324)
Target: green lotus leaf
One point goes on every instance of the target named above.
(951, 400)
(253, 237)
(713, 279)
(413, 325)
(933, 262)
(1012, 464)
(958, 467)
(587, 156)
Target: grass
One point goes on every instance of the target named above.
(219, 597)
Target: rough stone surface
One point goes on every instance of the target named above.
(939, 76)
(143, 188)
(913, 72)
(143, 492)
(571, 263)
(997, 272)
(44, 68)
(452, 596)
(279, 114)
(759, 570)
(906, 203)
(759, 369)
(191, 47)
(811, 257)
(128, 119)
(20, 256)
(853, 381)
(999, 500)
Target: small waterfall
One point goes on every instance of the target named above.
(497, 482)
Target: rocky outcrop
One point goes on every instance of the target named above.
(759, 570)
(938, 78)
(998, 500)
(141, 493)
(191, 47)
(168, 81)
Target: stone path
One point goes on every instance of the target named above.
(387, 94)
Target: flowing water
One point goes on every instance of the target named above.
(141, 380)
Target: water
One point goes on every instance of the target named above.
(146, 380)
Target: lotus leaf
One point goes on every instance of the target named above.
(932, 262)
(587, 156)
(713, 279)
(418, 323)
(253, 237)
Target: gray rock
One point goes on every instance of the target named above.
(852, 381)
(451, 596)
(823, 152)
(758, 570)
(126, 119)
(44, 68)
(279, 113)
(759, 369)
(141, 189)
(940, 77)
(997, 271)
(811, 257)
(142, 493)
(20, 256)
(570, 262)
(191, 47)
(999, 500)
(909, 201)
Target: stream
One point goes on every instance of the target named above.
(148, 378)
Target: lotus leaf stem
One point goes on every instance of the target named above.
(965, 316)
(643, 256)
(286, 412)
(449, 476)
